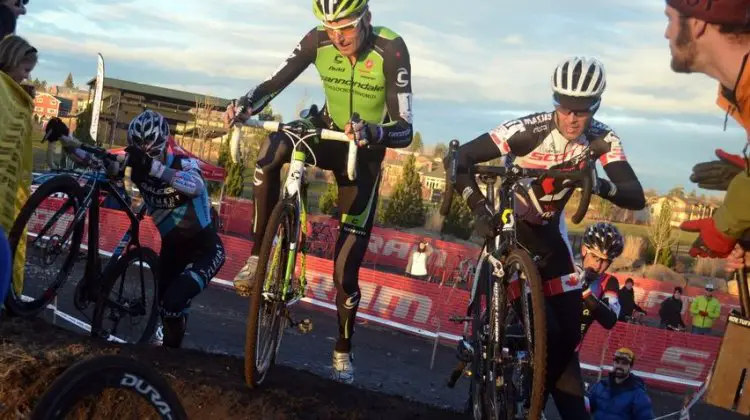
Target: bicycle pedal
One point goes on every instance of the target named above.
(459, 319)
(304, 326)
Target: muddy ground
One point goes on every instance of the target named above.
(34, 353)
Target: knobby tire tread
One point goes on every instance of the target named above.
(282, 210)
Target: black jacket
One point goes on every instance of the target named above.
(7, 21)
(670, 312)
(627, 303)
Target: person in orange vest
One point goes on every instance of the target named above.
(713, 37)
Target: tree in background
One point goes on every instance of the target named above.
(660, 231)
(416, 143)
(69, 82)
(39, 85)
(328, 201)
(458, 222)
(678, 191)
(606, 209)
(406, 208)
(83, 125)
(235, 180)
(440, 150)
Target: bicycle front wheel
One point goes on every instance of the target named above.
(129, 292)
(525, 337)
(81, 389)
(266, 317)
(41, 236)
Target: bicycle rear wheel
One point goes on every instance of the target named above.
(266, 317)
(33, 237)
(84, 385)
(525, 380)
(138, 269)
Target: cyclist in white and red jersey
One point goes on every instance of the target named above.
(556, 139)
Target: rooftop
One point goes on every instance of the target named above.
(157, 91)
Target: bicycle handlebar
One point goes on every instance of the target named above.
(72, 142)
(584, 175)
(275, 127)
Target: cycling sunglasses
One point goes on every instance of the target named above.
(346, 28)
(21, 2)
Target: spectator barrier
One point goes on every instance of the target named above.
(666, 359)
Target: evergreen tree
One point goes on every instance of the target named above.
(328, 201)
(235, 179)
(459, 220)
(416, 143)
(83, 125)
(440, 150)
(406, 208)
(69, 82)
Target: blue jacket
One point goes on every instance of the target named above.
(626, 401)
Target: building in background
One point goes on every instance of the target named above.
(47, 106)
(683, 208)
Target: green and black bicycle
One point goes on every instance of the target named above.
(277, 285)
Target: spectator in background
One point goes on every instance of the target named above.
(705, 309)
(621, 395)
(628, 307)
(670, 311)
(416, 267)
(10, 10)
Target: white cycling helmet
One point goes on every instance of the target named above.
(149, 131)
(578, 83)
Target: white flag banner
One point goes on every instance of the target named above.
(94, 130)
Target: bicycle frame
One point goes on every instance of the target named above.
(96, 183)
(294, 189)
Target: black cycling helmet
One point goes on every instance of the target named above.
(605, 238)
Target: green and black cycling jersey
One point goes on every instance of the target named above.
(377, 86)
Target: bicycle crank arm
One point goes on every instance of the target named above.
(304, 326)
(456, 374)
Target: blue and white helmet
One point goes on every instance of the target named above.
(149, 131)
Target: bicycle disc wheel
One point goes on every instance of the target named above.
(88, 380)
(32, 238)
(520, 267)
(124, 295)
(266, 315)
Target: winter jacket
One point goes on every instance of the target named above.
(626, 401)
(711, 307)
(670, 312)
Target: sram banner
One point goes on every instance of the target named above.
(649, 294)
(667, 359)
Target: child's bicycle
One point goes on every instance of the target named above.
(276, 286)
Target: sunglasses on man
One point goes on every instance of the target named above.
(21, 2)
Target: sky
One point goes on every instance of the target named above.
(474, 64)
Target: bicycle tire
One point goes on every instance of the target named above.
(59, 184)
(539, 361)
(282, 214)
(477, 407)
(91, 376)
(150, 257)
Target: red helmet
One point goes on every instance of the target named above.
(728, 12)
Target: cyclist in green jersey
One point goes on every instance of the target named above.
(364, 69)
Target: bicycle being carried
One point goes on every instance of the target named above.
(503, 350)
(277, 285)
(67, 196)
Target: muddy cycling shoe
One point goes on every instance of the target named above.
(342, 368)
(245, 279)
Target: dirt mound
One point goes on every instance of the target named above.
(34, 353)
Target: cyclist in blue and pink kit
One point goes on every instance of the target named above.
(177, 200)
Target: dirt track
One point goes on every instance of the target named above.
(34, 353)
